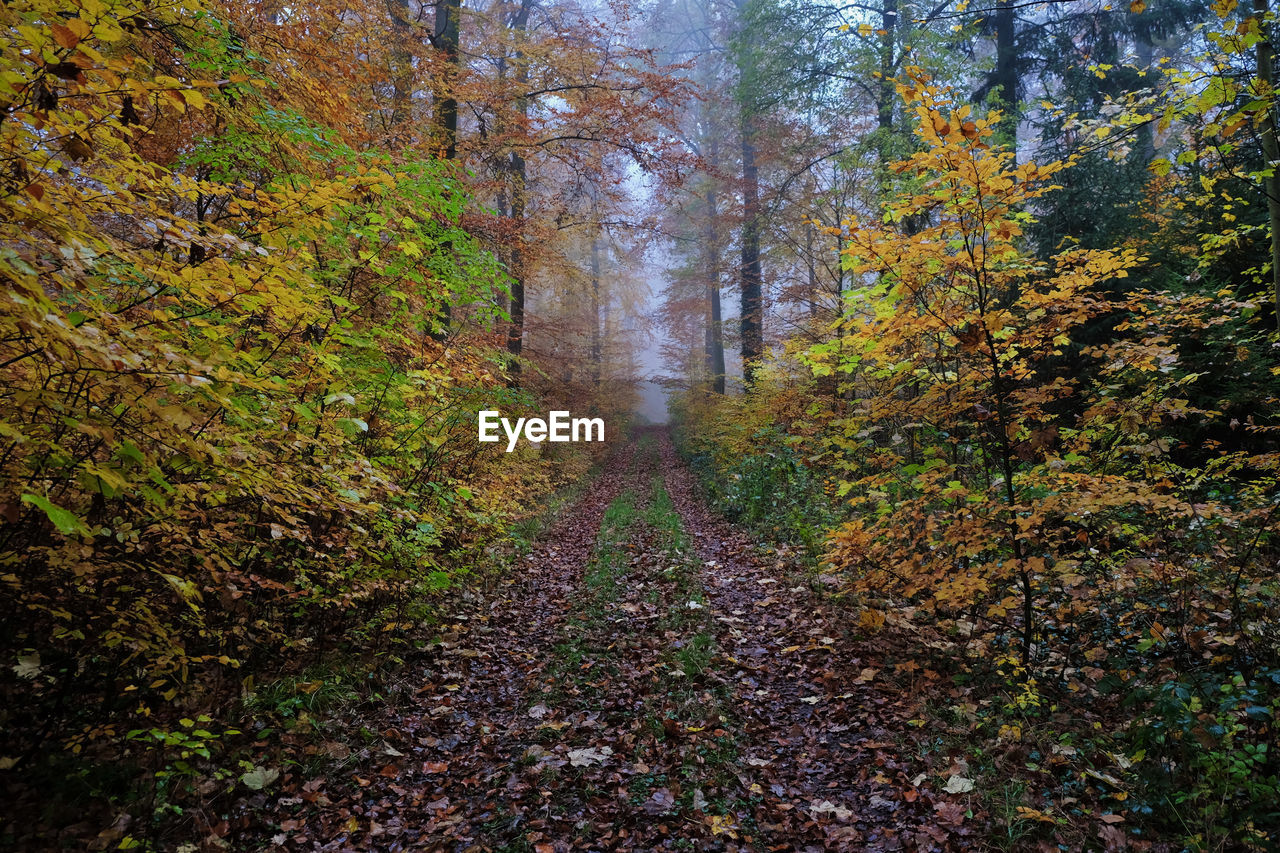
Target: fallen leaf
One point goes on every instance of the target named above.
(1034, 814)
(660, 801)
(827, 807)
(589, 756)
(722, 825)
(259, 778)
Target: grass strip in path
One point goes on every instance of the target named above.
(634, 746)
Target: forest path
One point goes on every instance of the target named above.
(645, 681)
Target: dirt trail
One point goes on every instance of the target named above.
(824, 735)
(646, 681)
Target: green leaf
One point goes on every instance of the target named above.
(67, 522)
(191, 594)
(351, 426)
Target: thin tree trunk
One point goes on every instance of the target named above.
(750, 278)
(711, 262)
(515, 333)
(446, 118)
(1005, 78)
(752, 305)
(717, 342)
(1144, 52)
(597, 336)
(811, 286)
(715, 324)
(401, 64)
(1270, 147)
(887, 95)
(448, 13)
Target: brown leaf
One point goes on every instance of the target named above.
(64, 70)
(64, 36)
(44, 96)
(77, 149)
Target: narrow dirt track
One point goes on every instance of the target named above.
(648, 679)
(824, 735)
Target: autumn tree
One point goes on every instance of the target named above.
(951, 334)
(232, 442)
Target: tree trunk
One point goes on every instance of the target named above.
(887, 94)
(515, 332)
(446, 117)
(1144, 52)
(446, 41)
(715, 324)
(401, 64)
(717, 342)
(1005, 78)
(811, 286)
(750, 278)
(711, 264)
(597, 336)
(1270, 147)
(752, 304)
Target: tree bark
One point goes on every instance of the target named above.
(750, 278)
(715, 327)
(401, 64)
(446, 39)
(752, 305)
(887, 94)
(1270, 146)
(518, 168)
(811, 286)
(1005, 78)
(714, 344)
(1144, 52)
(448, 13)
(515, 332)
(597, 334)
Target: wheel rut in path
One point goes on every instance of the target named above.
(424, 780)
(822, 735)
(644, 680)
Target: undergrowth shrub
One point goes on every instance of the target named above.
(1082, 534)
(237, 431)
(749, 455)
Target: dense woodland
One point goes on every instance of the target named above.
(969, 316)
